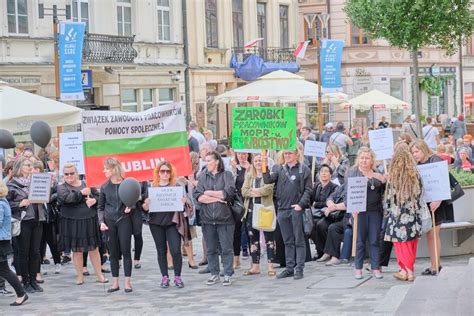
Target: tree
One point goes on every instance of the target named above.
(414, 24)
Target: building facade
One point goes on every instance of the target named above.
(155, 76)
(369, 64)
(216, 29)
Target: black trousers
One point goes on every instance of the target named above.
(334, 239)
(120, 243)
(138, 241)
(237, 238)
(280, 246)
(29, 249)
(320, 234)
(164, 236)
(49, 237)
(11, 278)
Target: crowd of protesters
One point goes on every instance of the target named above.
(81, 223)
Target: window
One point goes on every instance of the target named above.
(396, 90)
(284, 33)
(238, 23)
(212, 109)
(359, 36)
(470, 45)
(310, 32)
(129, 100)
(17, 12)
(147, 99)
(211, 23)
(166, 96)
(124, 17)
(262, 22)
(164, 20)
(80, 12)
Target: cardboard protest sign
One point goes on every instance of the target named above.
(166, 199)
(381, 142)
(264, 128)
(315, 148)
(40, 187)
(138, 140)
(435, 179)
(71, 151)
(356, 199)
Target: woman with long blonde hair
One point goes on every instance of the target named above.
(402, 204)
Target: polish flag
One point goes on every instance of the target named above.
(300, 51)
(253, 42)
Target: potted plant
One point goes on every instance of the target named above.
(463, 207)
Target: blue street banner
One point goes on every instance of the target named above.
(331, 57)
(71, 37)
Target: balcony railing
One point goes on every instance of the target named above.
(109, 49)
(268, 54)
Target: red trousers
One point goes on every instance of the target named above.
(406, 254)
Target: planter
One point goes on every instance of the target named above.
(464, 206)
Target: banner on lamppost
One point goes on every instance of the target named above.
(71, 37)
(330, 59)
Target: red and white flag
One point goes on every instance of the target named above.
(253, 42)
(300, 51)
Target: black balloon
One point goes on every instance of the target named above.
(129, 192)
(6, 139)
(40, 133)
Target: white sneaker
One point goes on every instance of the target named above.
(227, 281)
(57, 268)
(213, 280)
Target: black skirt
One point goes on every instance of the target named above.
(6, 250)
(79, 235)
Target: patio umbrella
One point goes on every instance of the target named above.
(20, 109)
(377, 100)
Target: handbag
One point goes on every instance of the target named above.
(308, 222)
(456, 189)
(264, 217)
(16, 225)
(425, 216)
(337, 215)
(237, 207)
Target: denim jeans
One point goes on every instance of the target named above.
(368, 227)
(219, 235)
(291, 226)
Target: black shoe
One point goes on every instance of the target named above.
(285, 274)
(194, 267)
(137, 266)
(204, 271)
(40, 281)
(111, 290)
(65, 260)
(45, 261)
(202, 263)
(130, 290)
(105, 270)
(298, 275)
(25, 298)
(28, 289)
(86, 273)
(36, 287)
(428, 271)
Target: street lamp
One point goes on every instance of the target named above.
(323, 19)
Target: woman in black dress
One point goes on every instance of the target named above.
(79, 225)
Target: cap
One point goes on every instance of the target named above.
(413, 117)
(329, 125)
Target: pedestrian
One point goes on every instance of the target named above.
(254, 192)
(443, 212)
(165, 227)
(329, 130)
(193, 131)
(209, 136)
(340, 139)
(370, 219)
(406, 138)
(293, 190)
(409, 126)
(338, 162)
(115, 219)
(459, 129)
(32, 216)
(6, 248)
(430, 134)
(403, 203)
(383, 123)
(215, 189)
(79, 225)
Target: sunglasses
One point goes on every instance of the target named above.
(163, 171)
(288, 153)
(69, 174)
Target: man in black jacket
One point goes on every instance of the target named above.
(293, 192)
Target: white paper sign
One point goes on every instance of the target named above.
(40, 187)
(249, 151)
(435, 179)
(381, 142)
(356, 199)
(71, 151)
(166, 199)
(314, 148)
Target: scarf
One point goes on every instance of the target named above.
(24, 181)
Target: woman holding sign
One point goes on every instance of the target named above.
(370, 219)
(165, 227)
(32, 215)
(443, 212)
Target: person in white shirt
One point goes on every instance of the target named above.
(431, 134)
(340, 139)
(193, 131)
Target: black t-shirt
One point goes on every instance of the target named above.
(375, 191)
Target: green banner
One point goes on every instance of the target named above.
(264, 128)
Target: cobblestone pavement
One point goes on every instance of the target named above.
(248, 294)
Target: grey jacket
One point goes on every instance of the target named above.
(216, 213)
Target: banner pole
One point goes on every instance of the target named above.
(313, 169)
(264, 161)
(435, 241)
(354, 233)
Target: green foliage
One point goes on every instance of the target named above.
(464, 178)
(413, 24)
(430, 84)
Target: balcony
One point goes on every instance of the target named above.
(268, 54)
(108, 49)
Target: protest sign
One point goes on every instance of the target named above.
(40, 187)
(381, 142)
(264, 128)
(356, 200)
(435, 179)
(138, 140)
(314, 148)
(166, 199)
(71, 151)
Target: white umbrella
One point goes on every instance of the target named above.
(377, 100)
(20, 109)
